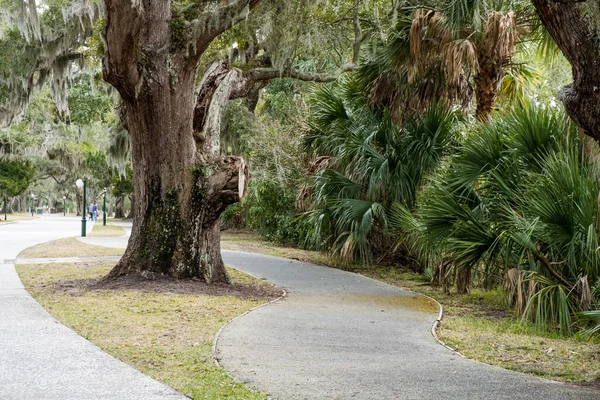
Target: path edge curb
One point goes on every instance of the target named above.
(435, 325)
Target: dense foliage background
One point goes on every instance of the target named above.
(442, 148)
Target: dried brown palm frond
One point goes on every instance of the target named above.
(520, 289)
(428, 35)
(347, 251)
(304, 198)
(499, 35)
(510, 284)
(460, 54)
(461, 93)
(585, 293)
(441, 275)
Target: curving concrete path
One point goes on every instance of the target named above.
(339, 335)
(42, 359)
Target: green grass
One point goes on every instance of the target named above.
(166, 335)
(69, 247)
(16, 217)
(100, 230)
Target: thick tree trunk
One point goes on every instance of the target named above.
(575, 33)
(181, 183)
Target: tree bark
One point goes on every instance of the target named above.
(119, 211)
(463, 280)
(78, 201)
(182, 184)
(495, 52)
(574, 33)
(487, 83)
(110, 209)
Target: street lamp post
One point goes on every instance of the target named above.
(32, 202)
(64, 206)
(104, 209)
(81, 184)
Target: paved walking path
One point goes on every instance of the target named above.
(42, 359)
(339, 335)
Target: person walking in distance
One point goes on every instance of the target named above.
(95, 209)
(91, 212)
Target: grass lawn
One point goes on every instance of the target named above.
(100, 230)
(480, 325)
(69, 247)
(16, 217)
(163, 328)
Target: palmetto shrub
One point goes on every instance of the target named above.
(371, 164)
(517, 205)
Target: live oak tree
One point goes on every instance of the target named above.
(182, 183)
(170, 105)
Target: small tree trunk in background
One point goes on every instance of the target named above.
(110, 207)
(463, 280)
(78, 201)
(130, 214)
(119, 204)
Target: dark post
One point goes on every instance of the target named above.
(104, 209)
(83, 213)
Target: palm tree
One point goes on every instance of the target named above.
(475, 39)
(371, 163)
(449, 53)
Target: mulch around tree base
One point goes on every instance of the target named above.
(163, 284)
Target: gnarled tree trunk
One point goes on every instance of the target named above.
(577, 36)
(182, 184)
